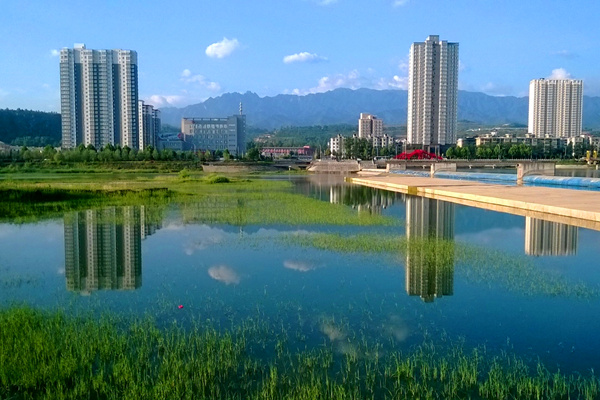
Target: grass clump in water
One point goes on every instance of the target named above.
(218, 179)
(51, 355)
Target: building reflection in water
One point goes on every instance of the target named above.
(545, 238)
(430, 248)
(103, 248)
(362, 198)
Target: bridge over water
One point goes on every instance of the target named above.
(460, 163)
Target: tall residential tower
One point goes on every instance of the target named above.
(555, 107)
(432, 93)
(369, 126)
(99, 97)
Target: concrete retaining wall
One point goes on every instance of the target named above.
(334, 167)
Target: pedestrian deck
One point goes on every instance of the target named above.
(574, 207)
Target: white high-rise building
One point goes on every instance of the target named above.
(369, 126)
(555, 107)
(432, 93)
(99, 97)
(149, 125)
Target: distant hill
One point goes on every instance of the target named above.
(340, 106)
(31, 128)
(343, 106)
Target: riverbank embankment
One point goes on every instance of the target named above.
(573, 207)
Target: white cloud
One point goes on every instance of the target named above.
(54, 53)
(159, 100)
(565, 54)
(188, 77)
(354, 80)
(223, 48)
(559, 73)
(397, 82)
(224, 274)
(400, 3)
(495, 89)
(303, 57)
(350, 80)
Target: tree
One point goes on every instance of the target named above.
(226, 155)
(253, 154)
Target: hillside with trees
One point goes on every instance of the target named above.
(29, 128)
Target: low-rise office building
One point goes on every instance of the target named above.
(302, 153)
(216, 134)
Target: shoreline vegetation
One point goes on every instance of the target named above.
(54, 356)
(51, 354)
(203, 197)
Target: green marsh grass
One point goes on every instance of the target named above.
(239, 202)
(50, 355)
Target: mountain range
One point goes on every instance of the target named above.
(341, 106)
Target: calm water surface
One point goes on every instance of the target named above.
(116, 259)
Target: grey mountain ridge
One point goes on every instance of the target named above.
(344, 106)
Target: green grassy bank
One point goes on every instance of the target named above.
(54, 356)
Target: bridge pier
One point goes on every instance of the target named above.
(437, 167)
(395, 166)
(534, 168)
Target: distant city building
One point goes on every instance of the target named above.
(103, 248)
(382, 141)
(336, 145)
(430, 248)
(432, 93)
(302, 153)
(172, 142)
(530, 140)
(99, 97)
(369, 126)
(216, 133)
(546, 238)
(555, 107)
(149, 125)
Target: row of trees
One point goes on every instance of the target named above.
(363, 148)
(504, 151)
(108, 153)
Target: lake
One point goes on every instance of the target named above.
(465, 275)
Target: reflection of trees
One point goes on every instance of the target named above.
(545, 238)
(103, 248)
(430, 247)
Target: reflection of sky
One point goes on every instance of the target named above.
(508, 239)
(301, 266)
(218, 271)
(225, 274)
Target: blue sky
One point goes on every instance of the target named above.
(191, 50)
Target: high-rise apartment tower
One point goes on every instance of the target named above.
(369, 126)
(99, 97)
(555, 107)
(149, 125)
(432, 93)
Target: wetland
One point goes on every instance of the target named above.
(189, 285)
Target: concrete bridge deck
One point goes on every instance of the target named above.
(574, 207)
